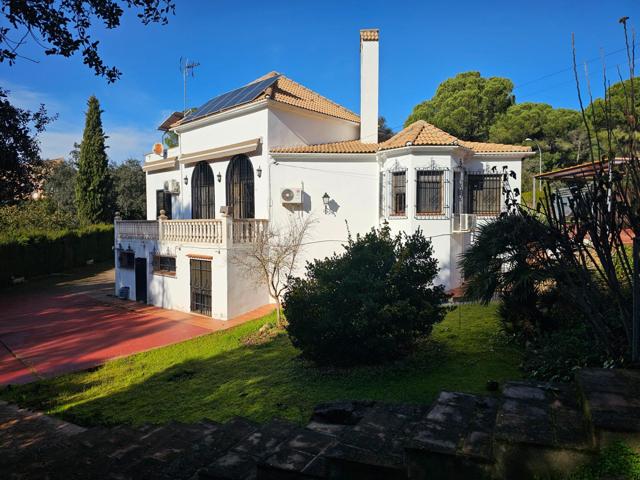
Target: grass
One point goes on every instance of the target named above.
(217, 376)
(617, 461)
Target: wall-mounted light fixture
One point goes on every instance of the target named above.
(186, 180)
(259, 171)
(219, 177)
(325, 201)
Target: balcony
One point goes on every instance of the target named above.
(221, 232)
(463, 223)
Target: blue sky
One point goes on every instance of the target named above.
(317, 44)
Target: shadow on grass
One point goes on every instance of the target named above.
(190, 382)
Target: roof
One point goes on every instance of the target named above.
(370, 35)
(170, 120)
(419, 133)
(484, 147)
(289, 92)
(582, 171)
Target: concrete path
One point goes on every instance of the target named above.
(68, 323)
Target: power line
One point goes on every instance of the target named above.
(568, 69)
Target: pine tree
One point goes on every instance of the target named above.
(93, 182)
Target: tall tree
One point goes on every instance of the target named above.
(94, 183)
(466, 105)
(129, 189)
(59, 187)
(19, 149)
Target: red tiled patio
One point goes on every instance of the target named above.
(58, 326)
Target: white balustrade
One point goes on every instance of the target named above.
(210, 231)
(138, 229)
(247, 230)
(196, 231)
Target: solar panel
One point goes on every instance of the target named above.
(231, 99)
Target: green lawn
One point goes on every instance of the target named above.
(217, 376)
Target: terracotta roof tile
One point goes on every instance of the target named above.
(290, 92)
(484, 147)
(349, 146)
(419, 133)
(370, 35)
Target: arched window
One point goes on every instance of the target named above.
(240, 187)
(203, 201)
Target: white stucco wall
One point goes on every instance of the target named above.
(352, 185)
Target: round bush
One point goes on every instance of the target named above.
(370, 304)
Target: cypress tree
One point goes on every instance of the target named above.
(93, 184)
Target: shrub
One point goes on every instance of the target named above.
(38, 253)
(370, 304)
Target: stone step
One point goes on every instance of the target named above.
(301, 456)
(374, 446)
(540, 431)
(454, 440)
(611, 402)
(241, 461)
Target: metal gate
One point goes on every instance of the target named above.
(141, 279)
(201, 286)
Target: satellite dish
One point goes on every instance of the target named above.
(158, 148)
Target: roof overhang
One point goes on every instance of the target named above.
(247, 146)
(582, 171)
(323, 156)
(157, 165)
(221, 116)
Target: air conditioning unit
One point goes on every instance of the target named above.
(464, 222)
(291, 196)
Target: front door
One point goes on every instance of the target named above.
(201, 286)
(141, 280)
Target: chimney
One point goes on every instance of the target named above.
(369, 85)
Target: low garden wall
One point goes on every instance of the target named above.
(41, 253)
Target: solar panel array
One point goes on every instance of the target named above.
(232, 98)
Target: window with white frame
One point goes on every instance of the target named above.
(429, 192)
(399, 193)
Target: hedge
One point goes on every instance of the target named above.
(39, 253)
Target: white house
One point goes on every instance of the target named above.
(272, 149)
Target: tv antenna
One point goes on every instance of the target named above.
(187, 68)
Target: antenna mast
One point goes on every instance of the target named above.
(187, 68)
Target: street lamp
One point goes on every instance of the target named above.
(539, 168)
(325, 201)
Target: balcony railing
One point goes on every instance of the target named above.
(246, 231)
(209, 231)
(463, 222)
(138, 229)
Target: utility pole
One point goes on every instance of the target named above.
(187, 68)
(539, 170)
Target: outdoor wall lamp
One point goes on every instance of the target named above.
(259, 171)
(325, 201)
(186, 180)
(219, 177)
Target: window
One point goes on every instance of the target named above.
(399, 193)
(126, 259)
(203, 202)
(163, 202)
(240, 187)
(429, 192)
(164, 264)
(484, 194)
